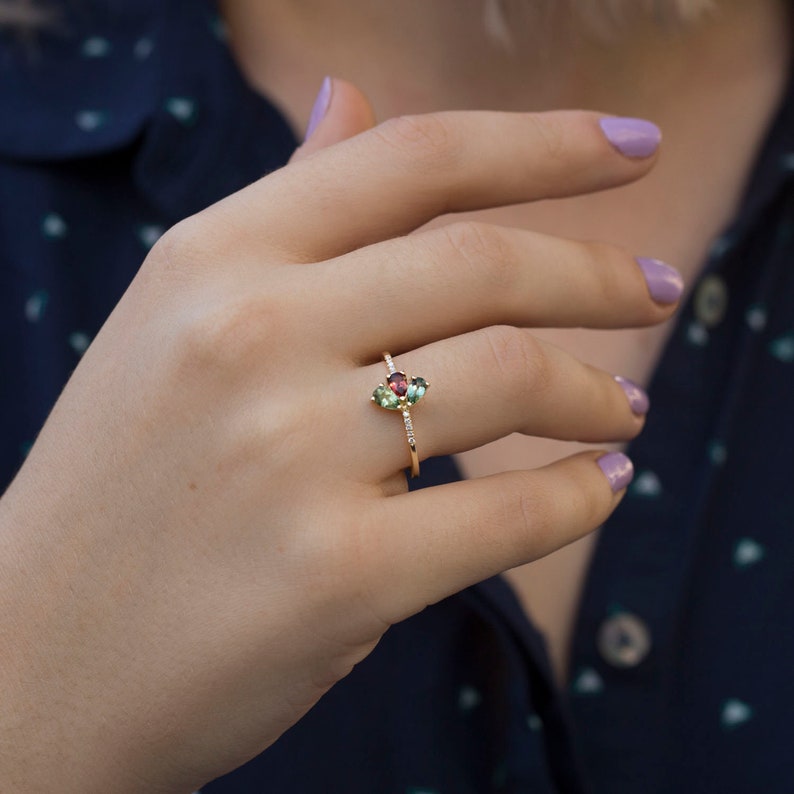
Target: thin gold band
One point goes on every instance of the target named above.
(409, 429)
(407, 421)
(399, 393)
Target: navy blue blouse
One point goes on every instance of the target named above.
(132, 116)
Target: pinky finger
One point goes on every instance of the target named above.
(452, 536)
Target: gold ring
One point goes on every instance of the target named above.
(399, 393)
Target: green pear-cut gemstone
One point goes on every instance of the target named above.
(416, 390)
(386, 398)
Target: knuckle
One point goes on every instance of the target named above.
(535, 513)
(229, 338)
(592, 507)
(617, 287)
(555, 511)
(180, 246)
(550, 135)
(580, 503)
(425, 140)
(524, 509)
(518, 358)
(608, 275)
(483, 248)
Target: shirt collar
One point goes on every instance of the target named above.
(154, 77)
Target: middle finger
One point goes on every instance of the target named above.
(467, 275)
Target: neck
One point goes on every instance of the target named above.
(416, 57)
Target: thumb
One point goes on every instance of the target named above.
(340, 111)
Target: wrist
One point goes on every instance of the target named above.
(54, 734)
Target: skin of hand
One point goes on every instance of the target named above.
(213, 526)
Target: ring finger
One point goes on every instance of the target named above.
(495, 381)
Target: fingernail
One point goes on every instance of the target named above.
(638, 399)
(631, 137)
(664, 282)
(617, 468)
(320, 107)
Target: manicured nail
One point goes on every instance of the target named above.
(617, 468)
(320, 106)
(631, 137)
(638, 399)
(664, 282)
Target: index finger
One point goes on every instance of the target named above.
(393, 178)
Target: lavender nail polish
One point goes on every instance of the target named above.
(631, 137)
(638, 399)
(617, 468)
(664, 282)
(320, 107)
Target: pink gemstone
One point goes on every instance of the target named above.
(398, 383)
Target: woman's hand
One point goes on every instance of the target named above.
(213, 526)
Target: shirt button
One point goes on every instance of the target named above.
(711, 301)
(623, 640)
